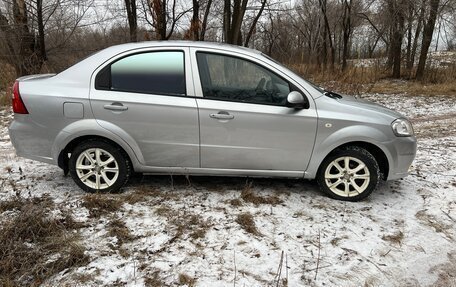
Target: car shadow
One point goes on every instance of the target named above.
(224, 183)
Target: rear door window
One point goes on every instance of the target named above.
(161, 73)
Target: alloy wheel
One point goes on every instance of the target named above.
(97, 168)
(347, 176)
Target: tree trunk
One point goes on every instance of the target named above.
(417, 35)
(409, 34)
(238, 16)
(132, 18)
(227, 21)
(327, 33)
(206, 16)
(396, 10)
(195, 24)
(346, 24)
(29, 61)
(253, 26)
(158, 11)
(232, 21)
(41, 43)
(427, 37)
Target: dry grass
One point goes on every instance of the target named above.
(431, 221)
(412, 88)
(164, 210)
(446, 272)
(101, 204)
(35, 246)
(248, 195)
(5, 99)
(196, 226)
(7, 76)
(235, 202)
(375, 79)
(187, 280)
(12, 204)
(154, 280)
(246, 221)
(395, 238)
(184, 224)
(141, 193)
(118, 229)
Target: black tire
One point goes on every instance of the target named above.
(358, 185)
(121, 162)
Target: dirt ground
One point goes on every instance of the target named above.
(214, 231)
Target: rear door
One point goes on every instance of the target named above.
(244, 121)
(142, 95)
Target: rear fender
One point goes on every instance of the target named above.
(90, 127)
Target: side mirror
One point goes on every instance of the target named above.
(297, 101)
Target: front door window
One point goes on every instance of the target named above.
(234, 79)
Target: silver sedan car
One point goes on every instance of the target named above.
(197, 108)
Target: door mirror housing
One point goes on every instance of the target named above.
(297, 101)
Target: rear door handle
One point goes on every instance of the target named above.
(116, 107)
(222, 116)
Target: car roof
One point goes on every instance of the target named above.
(182, 43)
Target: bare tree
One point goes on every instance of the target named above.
(254, 23)
(26, 54)
(327, 38)
(165, 16)
(232, 21)
(396, 12)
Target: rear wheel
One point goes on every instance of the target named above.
(97, 166)
(349, 174)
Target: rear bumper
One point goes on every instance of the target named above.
(28, 141)
(403, 152)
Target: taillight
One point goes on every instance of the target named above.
(18, 104)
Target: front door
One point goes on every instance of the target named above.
(244, 121)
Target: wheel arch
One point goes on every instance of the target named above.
(63, 157)
(377, 153)
(87, 129)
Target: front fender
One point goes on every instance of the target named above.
(327, 142)
(90, 127)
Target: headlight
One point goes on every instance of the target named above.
(402, 128)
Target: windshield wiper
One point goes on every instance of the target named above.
(332, 95)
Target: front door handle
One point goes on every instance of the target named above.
(222, 116)
(116, 106)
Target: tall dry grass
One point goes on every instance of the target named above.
(34, 246)
(376, 79)
(7, 77)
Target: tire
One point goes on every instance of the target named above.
(102, 167)
(355, 184)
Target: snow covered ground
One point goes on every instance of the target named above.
(198, 230)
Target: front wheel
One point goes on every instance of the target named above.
(349, 174)
(97, 166)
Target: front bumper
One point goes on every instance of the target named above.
(402, 152)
